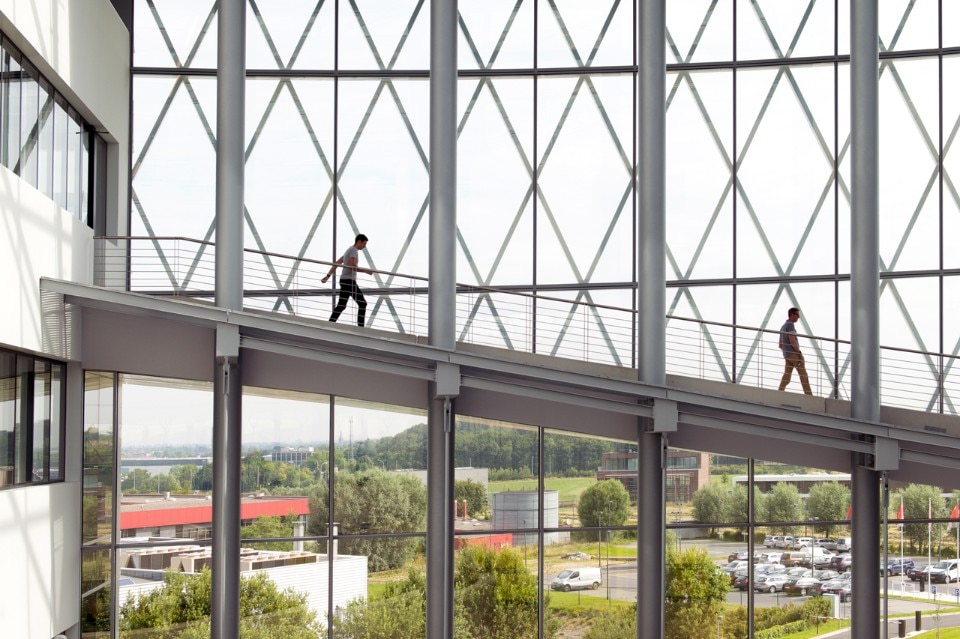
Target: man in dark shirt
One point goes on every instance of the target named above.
(348, 280)
(792, 357)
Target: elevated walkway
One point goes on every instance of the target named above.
(106, 329)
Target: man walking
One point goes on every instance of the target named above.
(348, 280)
(792, 357)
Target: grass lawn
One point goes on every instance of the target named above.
(580, 601)
(827, 626)
(945, 633)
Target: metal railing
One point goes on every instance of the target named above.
(527, 322)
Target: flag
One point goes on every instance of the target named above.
(900, 511)
(849, 511)
(955, 513)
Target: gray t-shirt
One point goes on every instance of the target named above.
(785, 345)
(350, 272)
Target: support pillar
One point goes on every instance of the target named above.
(227, 389)
(865, 304)
(442, 319)
(231, 70)
(651, 304)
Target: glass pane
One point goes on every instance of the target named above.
(785, 216)
(494, 194)
(951, 157)
(909, 206)
(699, 31)
(495, 34)
(379, 481)
(910, 25)
(578, 118)
(60, 157)
(24, 429)
(95, 584)
(58, 397)
(174, 33)
(950, 24)
(166, 432)
(83, 210)
(291, 34)
(8, 418)
(697, 349)
(74, 157)
(699, 194)
(45, 143)
(773, 29)
(385, 34)
(288, 185)
(29, 130)
(578, 34)
(383, 129)
(908, 320)
(42, 393)
(381, 604)
(495, 594)
(98, 458)
(10, 94)
(176, 114)
(760, 358)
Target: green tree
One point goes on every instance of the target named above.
(694, 595)
(621, 623)
(181, 608)
(368, 502)
(783, 504)
(498, 595)
(918, 501)
(606, 503)
(138, 480)
(827, 502)
(710, 504)
(475, 494)
(266, 527)
(737, 508)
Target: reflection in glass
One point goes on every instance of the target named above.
(95, 593)
(8, 418)
(10, 96)
(98, 458)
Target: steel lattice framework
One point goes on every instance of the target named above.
(736, 131)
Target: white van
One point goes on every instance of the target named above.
(844, 544)
(577, 579)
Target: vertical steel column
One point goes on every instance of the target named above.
(231, 63)
(651, 302)
(227, 388)
(865, 302)
(442, 318)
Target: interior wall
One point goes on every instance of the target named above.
(37, 239)
(39, 534)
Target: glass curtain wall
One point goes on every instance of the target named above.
(757, 172)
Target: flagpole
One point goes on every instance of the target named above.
(929, 540)
(900, 517)
(956, 509)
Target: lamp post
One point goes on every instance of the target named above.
(599, 535)
(719, 619)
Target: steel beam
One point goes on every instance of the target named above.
(227, 395)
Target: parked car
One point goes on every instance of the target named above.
(802, 542)
(771, 558)
(846, 562)
(846, 592)
(577, 579)
(944, 571)
(741, 582)
(919, 572)
(770, 541)
(825, 542)
(785, 542)
(801, 584)
(734, 566)
(896, 567)
(836, 584)
(844, 544)
(741, 554)
(770, 583)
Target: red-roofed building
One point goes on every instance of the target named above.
(191, 516)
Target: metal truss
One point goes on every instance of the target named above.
(337, 199)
